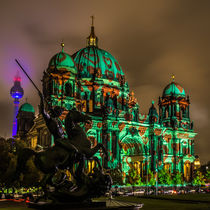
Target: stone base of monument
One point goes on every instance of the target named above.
(93, 205)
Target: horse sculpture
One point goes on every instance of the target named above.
(66, 151)
(77, 136)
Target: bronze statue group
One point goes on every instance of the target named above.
(69, 153)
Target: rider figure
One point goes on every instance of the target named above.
(54, 125)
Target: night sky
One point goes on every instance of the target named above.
(151, 39)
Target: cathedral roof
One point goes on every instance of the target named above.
(174, 89)
(96, 63)
(26, 107)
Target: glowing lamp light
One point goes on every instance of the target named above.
(197, 163)
(17, 79)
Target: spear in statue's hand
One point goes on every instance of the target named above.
(28, 76)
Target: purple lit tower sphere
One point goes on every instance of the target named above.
(17, 93)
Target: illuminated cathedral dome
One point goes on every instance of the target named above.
(94, 63)
(174, 89)
(26, 107)
(61, 61)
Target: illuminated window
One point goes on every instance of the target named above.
(167, 166)
(136, 166)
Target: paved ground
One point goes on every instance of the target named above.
(11, 205)
(200, 202)
(111, 204)
(156, 204)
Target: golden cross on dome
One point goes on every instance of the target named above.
(173, 77)
(62, 45)
(92, 17)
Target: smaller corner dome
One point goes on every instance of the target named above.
(174, 89)
(61, 60)
(26, 107)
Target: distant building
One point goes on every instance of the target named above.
(93, 81)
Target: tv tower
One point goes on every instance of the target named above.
(17, 93)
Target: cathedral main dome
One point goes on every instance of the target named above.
(95, 63)
(174, 89)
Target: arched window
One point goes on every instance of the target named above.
(115, 101)
(166, 113)
(184, 150)
(45, 139)
(183, 112)
(68, 89)
(114, 144)
(167, 166)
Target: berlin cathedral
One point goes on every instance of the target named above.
(92, 81)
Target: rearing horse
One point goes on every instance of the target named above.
(77, 135)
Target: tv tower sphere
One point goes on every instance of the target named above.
(17, 91)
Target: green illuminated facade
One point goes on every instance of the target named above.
(93, 81)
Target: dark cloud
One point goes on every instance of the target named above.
(151, 39)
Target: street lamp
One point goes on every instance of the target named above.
(197, 162)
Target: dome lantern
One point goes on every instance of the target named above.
(92, 40)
